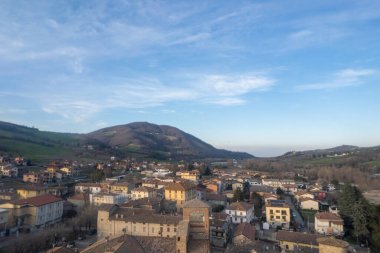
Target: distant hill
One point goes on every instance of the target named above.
(323, 152)
(160, 141)
(138, 139)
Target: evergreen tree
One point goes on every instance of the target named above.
(238, 195)
(356, 212)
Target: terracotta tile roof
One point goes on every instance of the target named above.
(138, 203)
(181, 186)
(143, 189)
(220, 216)
(143, 215)
(240, 206)
(38, 200)
(297, 237)
(196, 203)
(328, 216)
(277, 203)
(216, 197)
(246, 230)
(331, 241)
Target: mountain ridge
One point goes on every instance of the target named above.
(136, 139)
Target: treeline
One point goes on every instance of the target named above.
(361, 219)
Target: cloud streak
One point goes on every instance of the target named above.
(341, 79)
(144, 93)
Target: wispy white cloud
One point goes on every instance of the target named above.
(191, 39)
(143, 93)
(340, 79)
(227, 101)
(235, 85)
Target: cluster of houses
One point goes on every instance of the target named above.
(181, 211)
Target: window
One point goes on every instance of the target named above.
(283, 218)
(134, 228)
(175, 230)
(168, 229)
(283, 212)
(179, 239)
(241, 213)
(277, 211)
(271, 211)
(277, 217)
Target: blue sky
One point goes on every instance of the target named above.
(258, 76)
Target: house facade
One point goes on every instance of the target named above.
(328, 224)
(240, 212)
(34, 212)
(143, 192)
(278, 213)
(180, 192)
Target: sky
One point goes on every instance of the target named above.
(263, 77)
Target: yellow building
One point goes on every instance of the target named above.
(180, 192)
(31, 191)
(297, 241)
(332, 245)
(143, 192)
(278, 213)
(192, 175)
(123, 188)
(70, 171)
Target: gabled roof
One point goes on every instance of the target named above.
(196, 203)
(246, 230)
(181, 186)
(328, 216)
(38, 200)
(297, 237)
(144, 189)
(331, 241)
(240, 206)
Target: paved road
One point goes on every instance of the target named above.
(297, 217)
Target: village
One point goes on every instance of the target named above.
(178, 207)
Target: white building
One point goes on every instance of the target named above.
(34, 212)
(240, 212)
(328, 224)
(88, 188)
(143, 192)
(277, 182)
(310, 204)
(109, 198)
(9, 170)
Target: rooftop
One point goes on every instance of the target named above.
(328, 216)
(38, 200)
(240, 206)
(196, 203)
(181, 186)
(245, 229)
(297, 237)
(277, 203)
(331, 241)
(143, 216)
